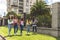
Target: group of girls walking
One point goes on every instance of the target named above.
(15, 23)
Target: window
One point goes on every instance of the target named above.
(31, 1)
(27, 0)
(27, 4)
(20, 7)
(20, 10)
(20, 3)
(27, 9)
(21, 0)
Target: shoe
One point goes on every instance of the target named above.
(9, 35)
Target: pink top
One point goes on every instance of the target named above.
(15, 20)
(22, 22)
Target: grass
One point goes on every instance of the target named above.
(4, 32)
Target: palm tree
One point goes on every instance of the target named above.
(42, 12)
(39, 8)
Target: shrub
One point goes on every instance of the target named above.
(44, 20)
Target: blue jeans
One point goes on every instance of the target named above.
(15, 28)
(9, 28)
(21, 28)
(28, 28)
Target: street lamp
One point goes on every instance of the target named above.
(24, 18)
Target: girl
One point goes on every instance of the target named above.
(15, 25)
(10, 22)
(28, 24)
(21, 26)
(34, 24)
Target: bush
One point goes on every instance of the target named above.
(44, 21)
(28, 16)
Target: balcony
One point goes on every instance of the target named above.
(21, 7)
(20, 3)
(14, 3)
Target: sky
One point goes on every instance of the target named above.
(3, 5)
(51, 1)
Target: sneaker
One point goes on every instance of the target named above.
(9, 35)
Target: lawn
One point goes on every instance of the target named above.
(4, 32)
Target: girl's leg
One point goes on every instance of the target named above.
(14, 29)
(28, 29)
(9, 29)
(20, 29)
(35, 29)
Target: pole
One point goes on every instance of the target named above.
(24, 19)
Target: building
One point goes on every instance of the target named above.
(20, 6)
(28, 4)
(12, 5)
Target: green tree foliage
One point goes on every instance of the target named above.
(14, 14)
(39, 8)
(28, 16)
(19, 15)
(42, 12)
(44, 20)
(11, 13)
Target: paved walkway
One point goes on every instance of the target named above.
(2, 38)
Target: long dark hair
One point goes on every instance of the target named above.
(8, 17)
(22, 19)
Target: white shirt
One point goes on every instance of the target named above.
(10, 22)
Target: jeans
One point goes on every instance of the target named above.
(9, 28)
(21, 28)
(15, 28)
(28, 28)
(34, 29)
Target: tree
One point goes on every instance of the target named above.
(39, 8)
(44, 20)
(42, 12)
(11, 13)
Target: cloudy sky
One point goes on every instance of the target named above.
(52, 1)
(3, 5)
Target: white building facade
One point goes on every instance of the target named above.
(20, 6)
